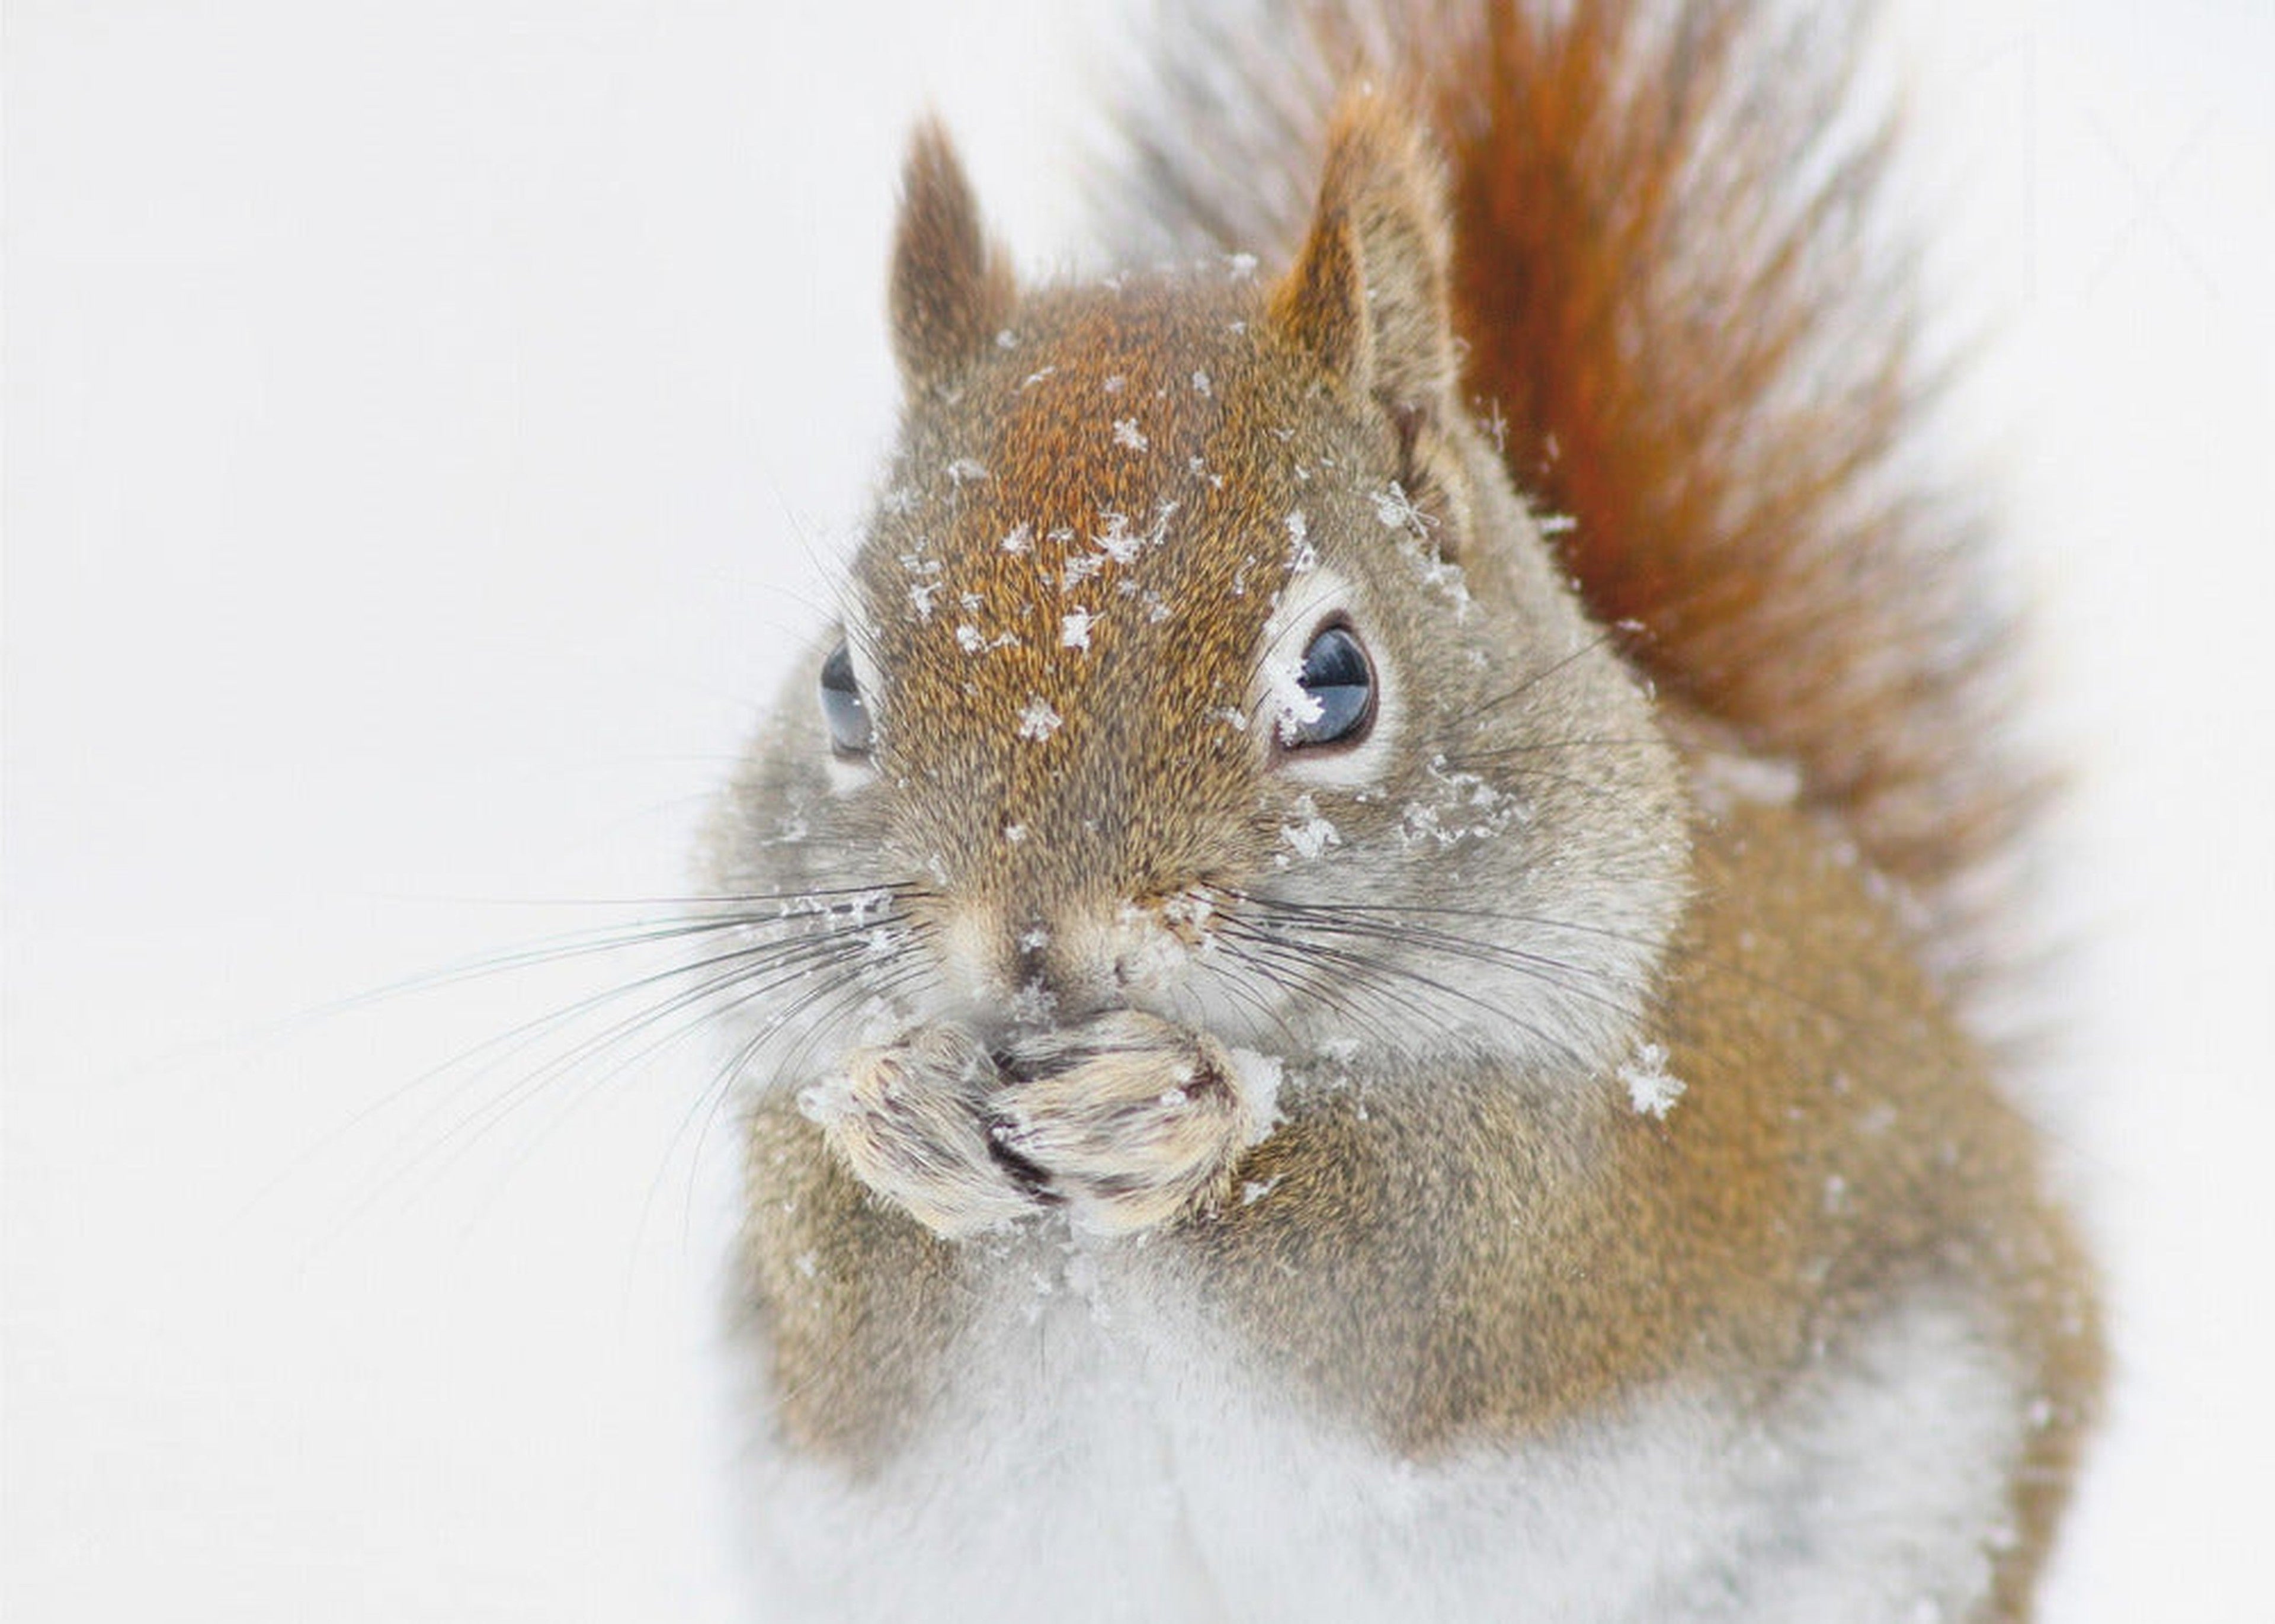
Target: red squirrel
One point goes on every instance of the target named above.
(1357, 952)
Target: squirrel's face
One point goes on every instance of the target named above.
(1200, 660)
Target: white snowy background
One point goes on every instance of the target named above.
(427, 423)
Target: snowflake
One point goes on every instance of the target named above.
(1302, 557)
(1295, 706)
(1116, 540)
(1397, 510)
(1312, 833)
(1652, 1090)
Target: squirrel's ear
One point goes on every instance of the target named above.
(1370, 295)
(952, 289)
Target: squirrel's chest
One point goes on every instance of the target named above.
(1098, 1455)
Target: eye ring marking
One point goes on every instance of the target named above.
(843, 707)
(1338, 676)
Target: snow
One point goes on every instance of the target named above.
(1116, 543)
(1290, 707)
(1310, 834)
(1032, 1004)
(1074, 629)
(1466, 807)
(1128, 435)
(1399, 512)
(1415, 525)
(1302, 557)
(1193, 908)
(1038, 721)
(1257, 1078)
(1652, 1090)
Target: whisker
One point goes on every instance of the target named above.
(1543, 746)
(1236, 987)
(1270, 904)
(1528, 684)
(1380, 966)
(1562, 974)
(1302, 979)
(802, 957)
(715, 1094)
(515, 1039)
(799, 958)
(551, 950)
(1301, 960)
(847, 961)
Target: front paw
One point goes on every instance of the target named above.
(1129, 1121)
(911, 1119)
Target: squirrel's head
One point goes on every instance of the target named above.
(1200, 658)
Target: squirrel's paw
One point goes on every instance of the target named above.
(911, 1119)
(1129, 1121)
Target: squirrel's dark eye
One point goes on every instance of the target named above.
(1338, 679)
(841, 703)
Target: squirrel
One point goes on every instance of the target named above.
(1361, 952)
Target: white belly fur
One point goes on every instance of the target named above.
(1097, 1457)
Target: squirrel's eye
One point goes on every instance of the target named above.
(1339, 680)
(841, 703)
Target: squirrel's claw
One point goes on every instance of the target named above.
(909, 1119)
(1131, 1121)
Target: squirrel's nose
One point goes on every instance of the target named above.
(1025, 967)
(1057, 973)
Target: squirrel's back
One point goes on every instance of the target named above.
(1703, 362)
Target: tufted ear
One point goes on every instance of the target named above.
(1370, 294)
(952, 289)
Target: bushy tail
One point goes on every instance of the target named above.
(1674, 293)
